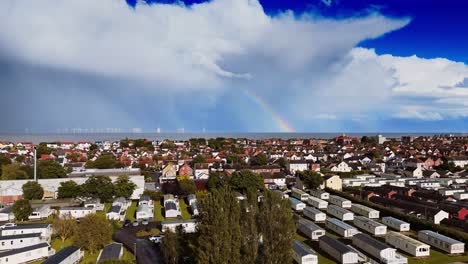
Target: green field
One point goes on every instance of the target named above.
(184, 209)
(130, 214)
(158, 211)
(436, 257)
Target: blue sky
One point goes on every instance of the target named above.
(234, 66)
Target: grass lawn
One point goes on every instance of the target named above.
(130, 214)
(158, 211)
(184, 209)
(107, 206)
(436, 257)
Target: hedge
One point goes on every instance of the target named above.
(416, 223)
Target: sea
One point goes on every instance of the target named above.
(93, 137)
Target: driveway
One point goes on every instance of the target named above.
(146, 251)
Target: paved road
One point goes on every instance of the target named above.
(146, 251)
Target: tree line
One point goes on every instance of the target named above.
(232, 230)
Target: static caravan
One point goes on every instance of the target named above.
(408, 244)
(189, 226)
(337, 250)
(377, 249)
(296, 204)
(441, 242)
(315, 214)
(340, 213)
(320, 194)
(461, 196)
(340, 201)
(310, 229)
(317, 203)
(194, 209)
(396, 224)
(341, 228)
(41, 213)
(365, 211)
(299, 194)
(44, 229)
(371, 226)
(26, 254)
(115, 213)
(302, 254)
(68, 255)
(19, 241)
(76, 212)
(6, 214)
(144, 212)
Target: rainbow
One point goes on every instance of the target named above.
(283, 124)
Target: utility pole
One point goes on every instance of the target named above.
(35, 164)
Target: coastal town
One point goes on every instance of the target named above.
(347, 199)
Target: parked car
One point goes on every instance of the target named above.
(135, 223)
(7, 225)
(144, 222)
(127, 223)
(156, 238)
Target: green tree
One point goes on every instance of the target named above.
(219, 230)
(311, 179)
(69, 189)
(49, 169)
(99, 187)
(4, 160)
(260, 159)
(93, 232)
(20, 158)
(22, 209)
(198, 159)
(154, 195)
(277, 229)
(64, 226)
(105, 161)
(214, 181)
(124, 187)
(170, 247)
(187, 186)
(13, 171)
(249, 229)
(43, 149)
(32, 191)
(245, 180)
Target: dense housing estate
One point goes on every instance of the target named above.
(369, 187)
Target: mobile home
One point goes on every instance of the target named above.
(369, 225)
(41, 213)
(68, 255)
(317, 203)
(189, 226)
(377, 249)
(76, 212)
(320, 194)
(6, 214)
(310, 229)
(299, 194)
(337, 250)
(315, 214)
(441, 242)
(144, 212)
(296, 204)
(302, 254)
(44, 229)
(365, 211)
(341, 228)
(340, 213)
(408, 244)
(396, 224)
(26, 254)
(19, 241)
(340, 201)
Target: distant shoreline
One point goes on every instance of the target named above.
(50, 137)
